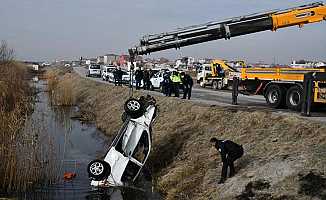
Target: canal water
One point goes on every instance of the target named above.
(75, 144)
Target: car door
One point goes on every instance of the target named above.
(137, 156)
(156, 81)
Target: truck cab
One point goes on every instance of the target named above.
(203, 71)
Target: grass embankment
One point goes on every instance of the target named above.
(20, 152)
(283, 154)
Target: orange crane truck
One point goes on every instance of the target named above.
(280, 86)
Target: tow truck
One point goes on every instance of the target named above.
(219, 73)
(280, 86)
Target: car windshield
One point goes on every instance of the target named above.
(95, 67)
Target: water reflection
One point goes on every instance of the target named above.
(75, 144)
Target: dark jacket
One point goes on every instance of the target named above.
(229, 150)
(146, 76)
(187, 80)
(139, 75)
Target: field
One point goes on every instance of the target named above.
(284, 154)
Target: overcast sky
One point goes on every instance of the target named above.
(68, 29)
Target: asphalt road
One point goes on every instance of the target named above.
(224, 98)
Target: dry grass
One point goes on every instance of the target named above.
(20, 152)
(60, 94)
(277, 148)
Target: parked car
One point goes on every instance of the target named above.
(94, 70)
(107, 73)
(125, 77)
(157, 79)
(131, 147)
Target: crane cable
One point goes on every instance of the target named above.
(131, 87)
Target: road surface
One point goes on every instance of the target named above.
(222, 98)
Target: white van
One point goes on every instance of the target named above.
(107, 73)
(94, 70)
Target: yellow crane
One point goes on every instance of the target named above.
(280, 86)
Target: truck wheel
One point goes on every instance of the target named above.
(275, 96)
(294, 97)
(134, 108)
(98, 169)
(217, 85)
(202, 84)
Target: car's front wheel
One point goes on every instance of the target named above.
(134, 108)
(98, 169)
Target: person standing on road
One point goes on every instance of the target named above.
(115, 75)
(138, 77)
(176, 80)
(187, 85)
(119, 76)
(166, 84)
(230, 151)
(146, 80)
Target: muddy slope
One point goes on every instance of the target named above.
(284, 155)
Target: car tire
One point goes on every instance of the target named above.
(275, 96)
(202, 84)
(294, 98)
(98, 170)
(134, 108)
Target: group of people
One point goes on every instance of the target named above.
(170, 85)
(172, 82)
(145, 76)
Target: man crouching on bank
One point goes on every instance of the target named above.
(230, 152)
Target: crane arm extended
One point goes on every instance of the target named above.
(270, 20)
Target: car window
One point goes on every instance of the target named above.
(117, 142)
(207, 68)
(130, 172)
(142, 148)
(95, 67)
(131, 138)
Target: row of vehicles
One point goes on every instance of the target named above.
(107, 74)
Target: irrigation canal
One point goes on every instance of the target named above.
(75, 145)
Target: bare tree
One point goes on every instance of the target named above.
(6, 53)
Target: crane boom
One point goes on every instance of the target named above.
(270, 20)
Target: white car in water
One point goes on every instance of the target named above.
(130, 149)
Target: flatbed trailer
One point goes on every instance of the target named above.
(282, 86)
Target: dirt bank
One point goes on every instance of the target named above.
(283, 154)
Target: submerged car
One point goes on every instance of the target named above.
(130, 149)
